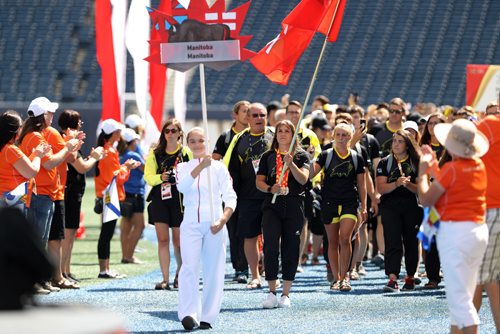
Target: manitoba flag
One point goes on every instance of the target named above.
(111, 202)
(429, 227)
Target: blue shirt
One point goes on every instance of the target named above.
(135, 183)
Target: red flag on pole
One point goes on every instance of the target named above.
(278, 58)
(317, 15)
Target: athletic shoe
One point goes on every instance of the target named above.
(284, 302)
(188, 323)
(409, 284)
(377, 260)
(204, 325)
(271, 301)
(300, 269)
(392, 286)
(235, 277)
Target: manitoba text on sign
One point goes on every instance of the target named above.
(200, 52)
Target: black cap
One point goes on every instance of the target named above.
(320, 123)
(416, 117)
(273, 105)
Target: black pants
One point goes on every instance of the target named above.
(236, 243)
(401, 218)
(283, 221)
(104, 243)
(432, 264)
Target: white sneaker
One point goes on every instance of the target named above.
(284, 302)
(271, 301)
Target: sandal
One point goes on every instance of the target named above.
(176, 281)
(65, 284)
(254, 284)
(335, 286)
(431, 285)
(162, 286)
(345, 286)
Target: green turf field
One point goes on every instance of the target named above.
(84, 260)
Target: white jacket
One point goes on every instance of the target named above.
(196, 198)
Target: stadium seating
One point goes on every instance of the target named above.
(414, 49)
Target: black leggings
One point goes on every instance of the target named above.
(401, 219)
(282, 221)
(104, 243)
(432, 264)
(238, 259)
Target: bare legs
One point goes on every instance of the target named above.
(130, 233)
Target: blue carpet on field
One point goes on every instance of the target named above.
(314, 308)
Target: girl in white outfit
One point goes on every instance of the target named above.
(202, 239)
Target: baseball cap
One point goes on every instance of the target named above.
(128, 135)
(41, 105)
(110, 125)
(320, 123)
(133, 121)
(410, 125)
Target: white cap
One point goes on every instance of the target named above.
(41, 105)
(133, 121)
(110, 125)
(128, 135)
(410, 125)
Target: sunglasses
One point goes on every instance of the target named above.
(258, 115)
(392, 111)
(174, 131)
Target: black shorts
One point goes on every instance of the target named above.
(333, 213)
(73, 208)
(168, 211)
(133, 203)
(57, 226)
(249, 218)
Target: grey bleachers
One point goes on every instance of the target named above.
(417, 49)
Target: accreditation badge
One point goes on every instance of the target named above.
(166, 191)
(255, 164)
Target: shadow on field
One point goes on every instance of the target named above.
(117, 290)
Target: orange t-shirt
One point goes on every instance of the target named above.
(107, 168)
(464, 181)
(47, 179)
(57, 143)
(10, 178)
(490, 127)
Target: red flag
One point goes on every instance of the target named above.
(317, 15)
(278, 58)
(106, 60)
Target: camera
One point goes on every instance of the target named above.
(170, 176)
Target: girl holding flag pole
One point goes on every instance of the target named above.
(107, 170)
(15, 167)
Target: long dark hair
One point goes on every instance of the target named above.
(426, 135)
(162, 142)
(69, 119)
(101, 140)
(10, 122)
(411, 146)
(32, 124)
(288, 124)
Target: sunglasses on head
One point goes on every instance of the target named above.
(392, 111)
(167, 131)
(258, 115)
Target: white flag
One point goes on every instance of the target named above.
(111, 202)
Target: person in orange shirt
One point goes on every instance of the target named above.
(106, 169)
(489, 273)
(15, 166)
(459, 195)
(40, 112)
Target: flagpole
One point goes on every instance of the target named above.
(207, 144)
(309, 92)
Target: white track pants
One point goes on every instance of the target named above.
(198, 243)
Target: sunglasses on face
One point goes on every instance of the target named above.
(258, 115)
(392, 111)
(174, 131)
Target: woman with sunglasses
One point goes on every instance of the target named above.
(401, 214)
(165, 209)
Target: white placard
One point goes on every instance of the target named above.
(200, 52)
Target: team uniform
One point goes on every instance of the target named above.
(384, 134)
(282, 221)
(165, 200)
(243, 158)
(401, 217)
(73, 196)
(134, 187)
(198, 242)
(10, 178)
